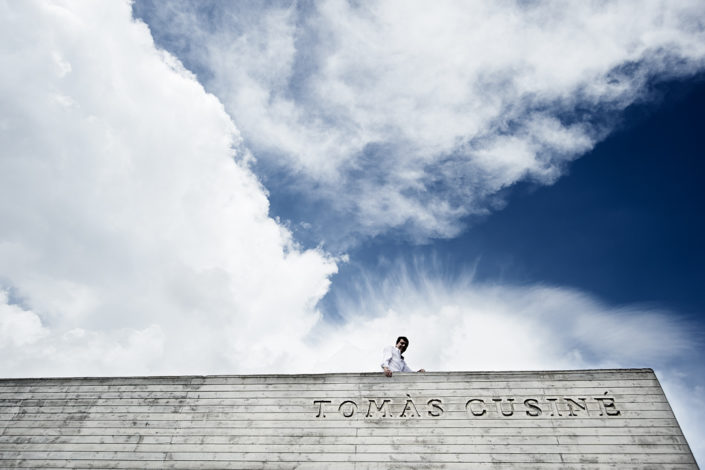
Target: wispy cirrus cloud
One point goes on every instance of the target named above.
(408, 118)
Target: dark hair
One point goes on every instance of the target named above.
(403, 338)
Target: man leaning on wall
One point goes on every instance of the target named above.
(393, 360)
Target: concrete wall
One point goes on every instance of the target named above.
(559, 419)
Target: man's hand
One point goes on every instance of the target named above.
(387, 372)
(422, 370)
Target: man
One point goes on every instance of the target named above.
(393, 360)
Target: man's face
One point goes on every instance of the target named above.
(401, 345)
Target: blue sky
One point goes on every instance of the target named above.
(210, 187)
(624, 223)
(620, 223)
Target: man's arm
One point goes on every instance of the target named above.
(409, 369)
(386, 360)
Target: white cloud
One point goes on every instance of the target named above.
(687, 399)
(409, 116)
(132, 229)
(18, 327)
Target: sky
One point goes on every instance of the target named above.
(285, 187)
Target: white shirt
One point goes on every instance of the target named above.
(392, 359)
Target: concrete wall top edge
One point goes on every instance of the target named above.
(337, 374)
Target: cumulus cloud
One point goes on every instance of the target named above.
(407, 117)
(18, 327)
(133, 235)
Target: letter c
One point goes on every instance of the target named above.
(468, 407)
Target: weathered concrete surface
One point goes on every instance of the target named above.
(557, 419)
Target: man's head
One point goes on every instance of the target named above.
(402, 343)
